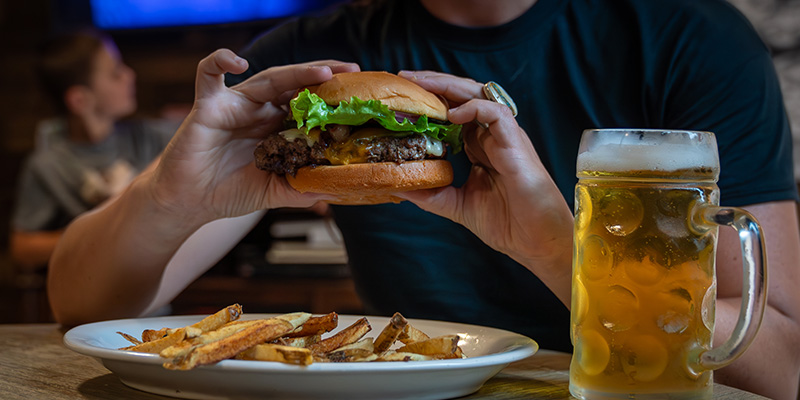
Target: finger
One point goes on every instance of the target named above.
(285, 97)
(443, 201)
(337, 66)
(211, 71)
(474, 146)
(501, 123)
(270, 84)
(453, 88)
(279, 193)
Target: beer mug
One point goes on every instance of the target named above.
(643, 281)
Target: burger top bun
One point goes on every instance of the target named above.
(395, 92)
(372, 183)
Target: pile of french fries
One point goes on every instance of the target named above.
(295, 338)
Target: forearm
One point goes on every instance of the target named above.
(31, 250)
(555, 273)
(109, 262)
(771, 365)
(553, 267)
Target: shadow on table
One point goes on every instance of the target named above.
(110, 387)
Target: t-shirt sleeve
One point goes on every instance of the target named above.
(35, 208)
(722, 80)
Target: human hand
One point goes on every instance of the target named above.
(207, 170)
(509, 200)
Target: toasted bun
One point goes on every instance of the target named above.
(397, 93)
(372, 183)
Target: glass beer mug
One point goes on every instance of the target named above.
(643, 281)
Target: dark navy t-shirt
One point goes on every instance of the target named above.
(570, 65)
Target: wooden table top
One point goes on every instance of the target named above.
(35, 364)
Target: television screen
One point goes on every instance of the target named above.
(137, 14)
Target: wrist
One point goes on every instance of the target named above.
(554, 270)
(165, 212)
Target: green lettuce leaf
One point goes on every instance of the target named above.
(310, 111)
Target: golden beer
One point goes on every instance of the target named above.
(643, 284)
(641, 278)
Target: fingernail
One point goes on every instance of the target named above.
(408, 74)
(240, 60)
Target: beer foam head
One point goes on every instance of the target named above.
(619, 151)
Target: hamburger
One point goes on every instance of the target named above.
(362, 136)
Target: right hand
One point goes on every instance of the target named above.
(509, 200)
(207, 170)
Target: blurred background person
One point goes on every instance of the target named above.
(86, 154)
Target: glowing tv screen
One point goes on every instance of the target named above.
(139, 14)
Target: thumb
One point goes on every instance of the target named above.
(444, 201)
(211, 71)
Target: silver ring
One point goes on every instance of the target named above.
(497, 94)
(494, 92)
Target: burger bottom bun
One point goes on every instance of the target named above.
(372, 183)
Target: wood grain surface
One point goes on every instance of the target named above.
(35, 364)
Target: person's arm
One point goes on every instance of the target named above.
(771, 365)
(32, 250)
(110, 262)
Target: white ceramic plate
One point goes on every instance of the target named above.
(488, 351)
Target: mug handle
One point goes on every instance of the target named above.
(754, 289)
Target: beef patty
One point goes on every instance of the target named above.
(276, 154)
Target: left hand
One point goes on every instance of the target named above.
(509, 200)
(207, 171)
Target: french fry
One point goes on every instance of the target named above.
(295, 319)
(278, 353)
(304, 341)
(358, 350)
(156, 346)
(148, 335)
(363, 344)
(317, 325)
(257, 333)
(459, 353)
(368, 358)
(346, 336)
(214, 321)
(392, 355)
(184, 347)
(130, 338)
(389, 334)
(441, 346)
(411, 334)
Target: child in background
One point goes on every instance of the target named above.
(86, 154)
